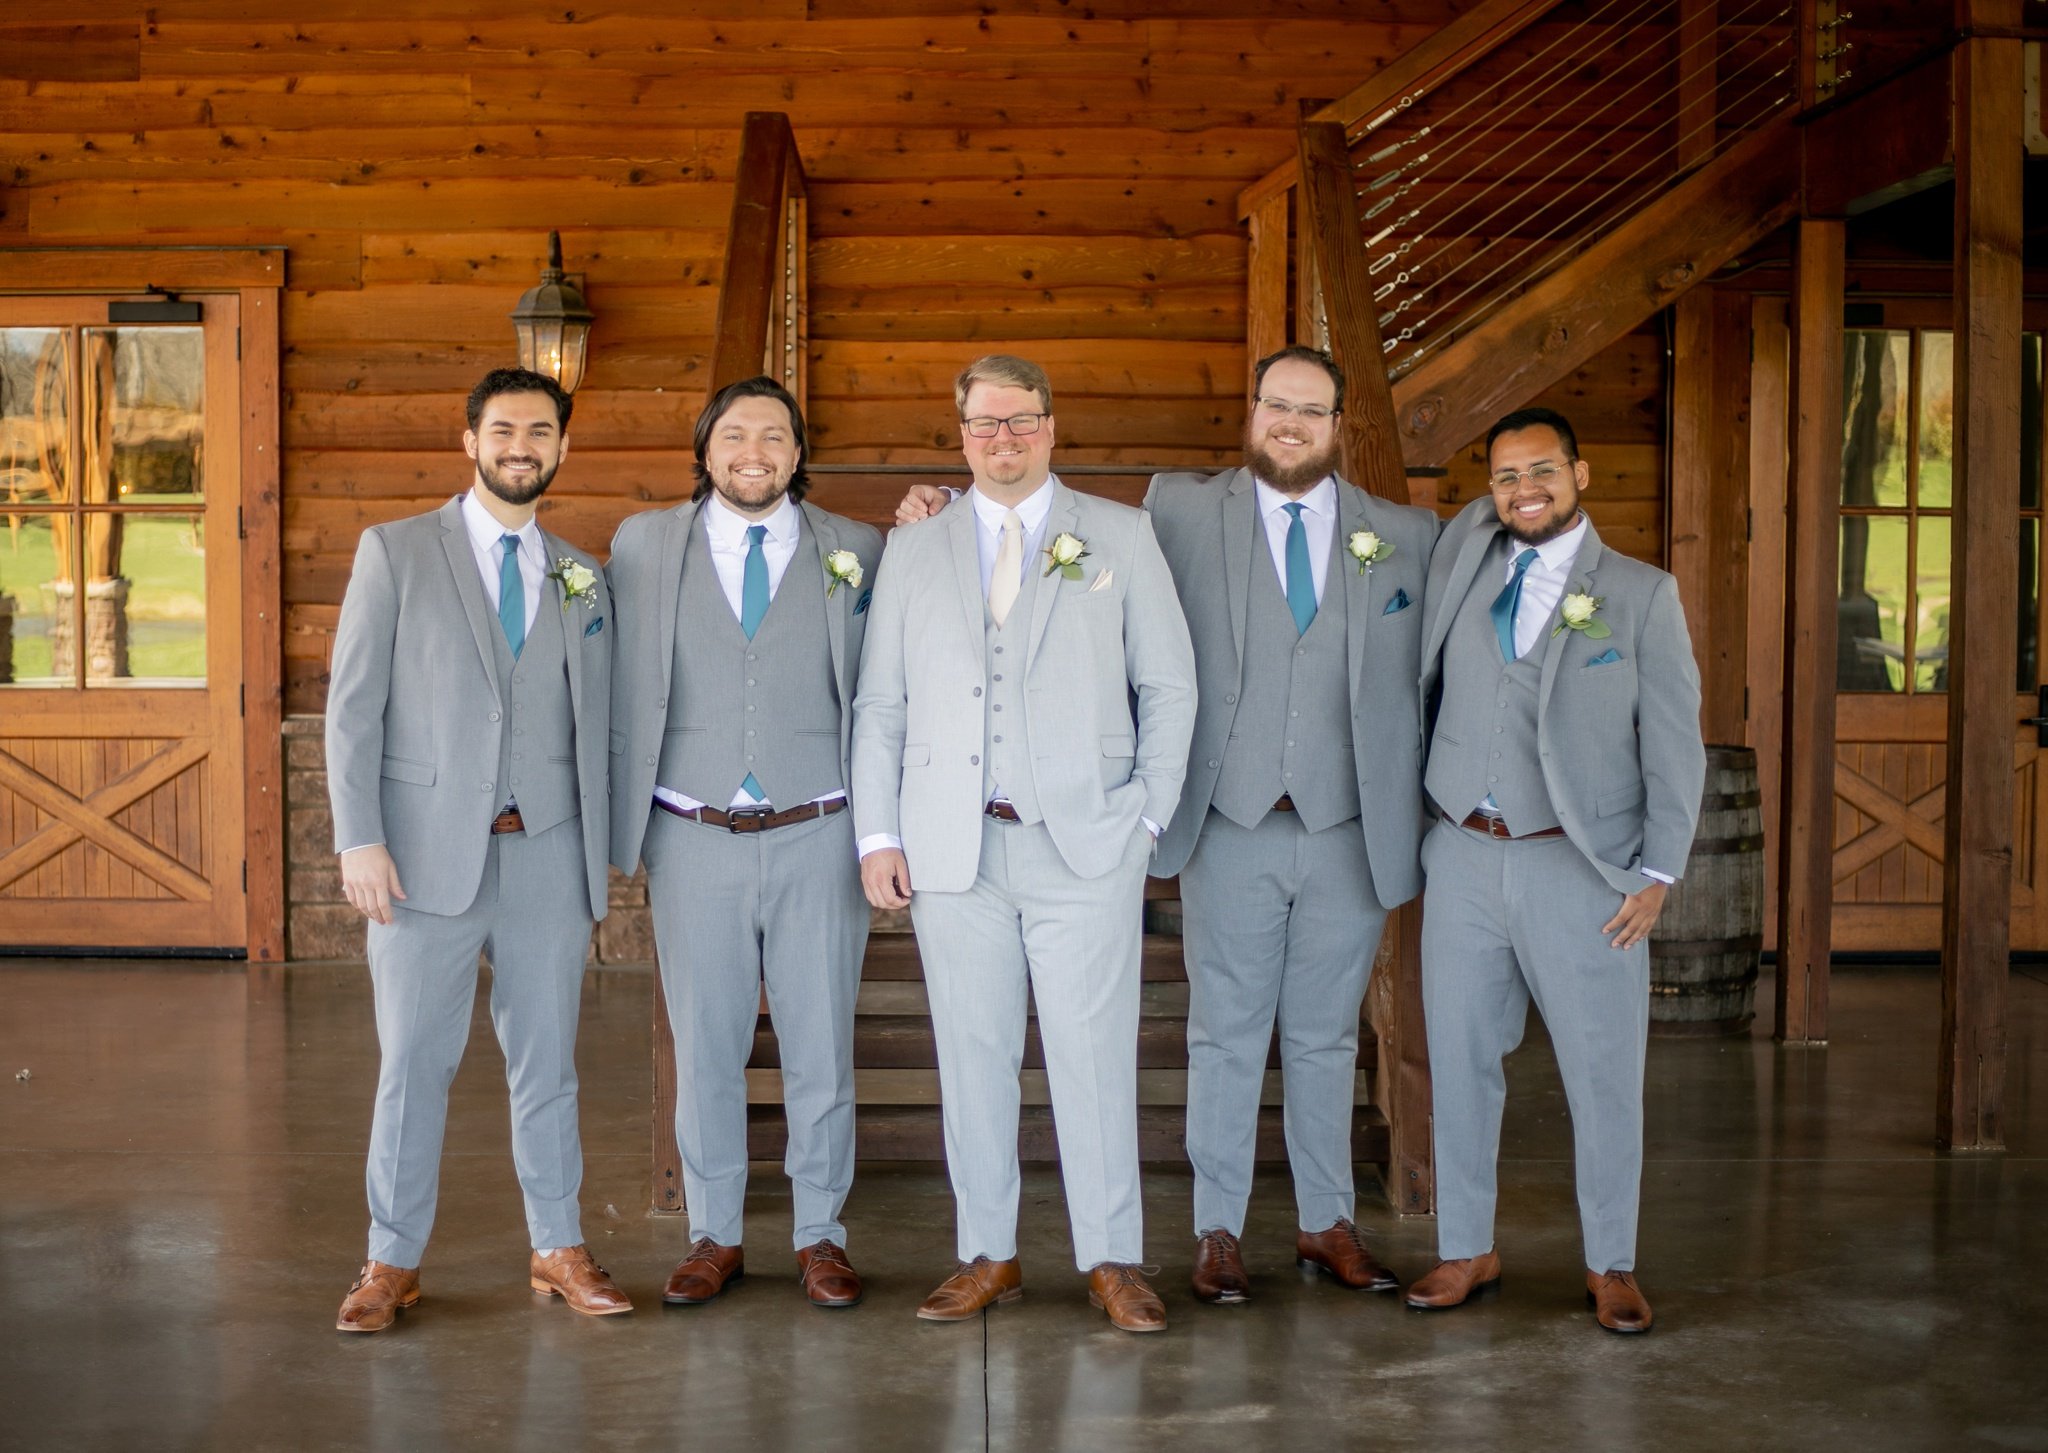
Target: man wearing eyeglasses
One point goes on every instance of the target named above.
(1565, 767)
(1006, 790)
(1299, 826)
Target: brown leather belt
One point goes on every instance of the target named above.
(753, 819)
(1285, 804)
(1002, 811)
(1497, 827)
(507, 821)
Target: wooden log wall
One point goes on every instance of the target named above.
(1053, 180)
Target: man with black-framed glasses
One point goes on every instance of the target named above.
(1299, 825)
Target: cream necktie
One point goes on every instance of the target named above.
(1008, 576)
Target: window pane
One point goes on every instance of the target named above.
(35, 596)
(1931, 601)
(2030, 422)
(1937, 406)
(2030, 604)
(1871, 614)
(35, 402)
(145, 620)
(1875, 369)
(151, 385)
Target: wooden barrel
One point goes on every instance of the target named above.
(1706, 946)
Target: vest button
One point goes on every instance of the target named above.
(977, 691)
(494, 716)
(484, 786)
(1230, 701)
(974, 761)
(1214, 763)
(650, 761)
(999, 676)
(752, 682)
(999, 739)
(999, 650)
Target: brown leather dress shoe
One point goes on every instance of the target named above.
(828, 1277)
(702, 1274)
(573, 1274)
(1617, 1301)
(1341, 1252)
(1122, 1291)
(381, 1292)
(1219, 1269)
(977, 1284)
(1449, 1283)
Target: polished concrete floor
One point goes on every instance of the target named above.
(181, 1211)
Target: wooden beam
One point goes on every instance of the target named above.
(1480, 30)
(1806, 883)
(137, 269)
(1887, 143)
(1770, 393)
(753, 248)
(263, 819)
(1977, 868)
(1573, 312)
(1266, 283)
(1372, 445)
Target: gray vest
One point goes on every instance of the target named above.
(1006, 746)
(1486, 725)
(1292, 730)
(537, 751)
(767, 706)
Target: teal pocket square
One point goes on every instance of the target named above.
(862, 604)
(1607, 657)
(1399, 602)
(594, 627)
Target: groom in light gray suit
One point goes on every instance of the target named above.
(741, 614)
(1566, 767)
(467, 710)
(1004, 790)
(1302, 819)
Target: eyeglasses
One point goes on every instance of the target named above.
(1314, 413)
(1020, 425)
(1538, 474)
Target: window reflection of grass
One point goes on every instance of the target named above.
(166, 570)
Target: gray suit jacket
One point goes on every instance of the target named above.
(1620, 741)
(1209, 529)
(918, 730)
(414, 719)
(646, 572)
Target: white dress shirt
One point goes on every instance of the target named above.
(1318, 517)
(1542, 588)
(725, 534)
(485, 534)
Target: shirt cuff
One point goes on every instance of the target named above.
(360, 846)
(953, 492)
(876, 842)
(1152, 827)
(1653, 873)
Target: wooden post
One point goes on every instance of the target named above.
(1266, 282)
(1372, 452)
(262, 628)
(1707, 525)
(1807, 802)
(1977, 871)
(753, 248)
(1770, 394)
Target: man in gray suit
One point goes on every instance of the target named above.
(467, 719)
(998, 768)
(1565, 764)
(1301, 820)
(740, 615)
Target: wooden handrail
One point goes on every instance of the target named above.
(1478, 32)
(761, 308)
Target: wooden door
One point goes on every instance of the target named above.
(121, 706)
(1892, 663)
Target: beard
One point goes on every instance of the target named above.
(751, 494)
(515, 494)
(1294, 478)
(1538, 532)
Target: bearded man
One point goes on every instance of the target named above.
(468, 714)
(741, 616)
(1301, 819)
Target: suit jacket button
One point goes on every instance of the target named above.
(974, 761)
(494, 716)
(650, 761)
(977, 691)
(483, 786)
(1214, 763)
(1230, 701)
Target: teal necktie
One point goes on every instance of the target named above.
(512, 597)
(1504, 605)
(1301, 582)
(753, 606)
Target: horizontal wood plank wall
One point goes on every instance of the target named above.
(1057, 181)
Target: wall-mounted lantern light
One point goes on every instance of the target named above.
(553, 324)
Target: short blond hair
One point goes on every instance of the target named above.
(1003, 371)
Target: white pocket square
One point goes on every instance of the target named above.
(1102, 581)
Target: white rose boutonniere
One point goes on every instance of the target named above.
(1065, 554)
(842, 567)
(579, 582)
(1368, 549)
(1582, 613)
